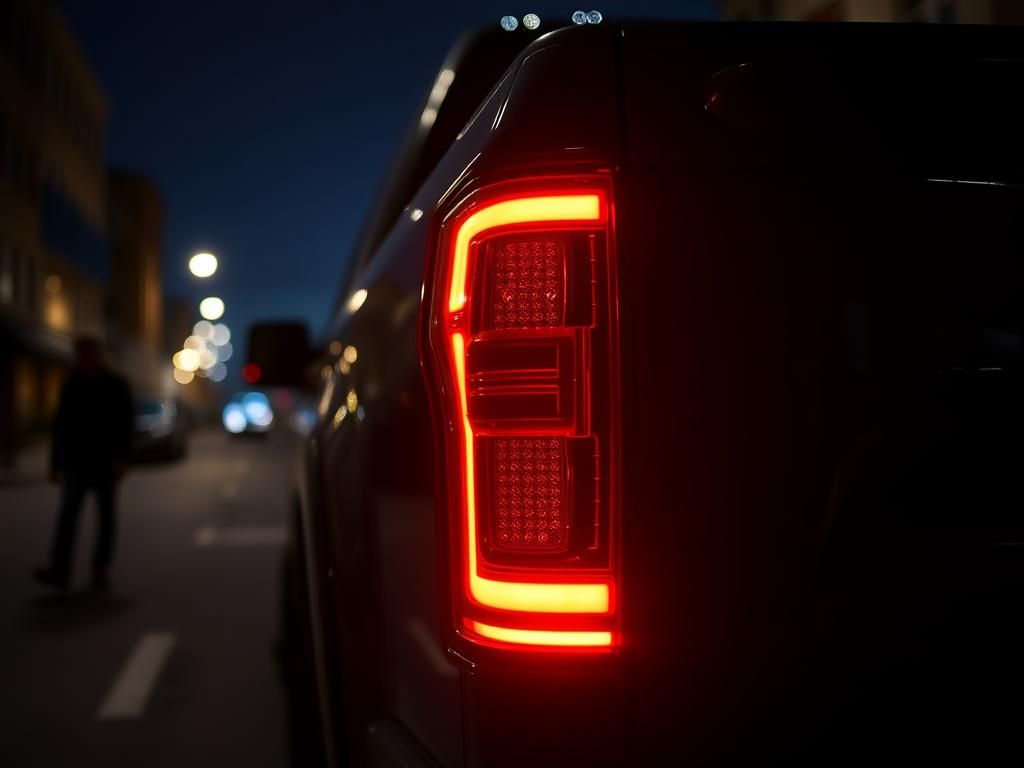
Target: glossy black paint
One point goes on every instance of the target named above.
(820, 405)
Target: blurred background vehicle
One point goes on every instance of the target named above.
(161, 429)
(248, 413)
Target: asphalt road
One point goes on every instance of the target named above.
(174, 665)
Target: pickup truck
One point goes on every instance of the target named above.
(671, 410)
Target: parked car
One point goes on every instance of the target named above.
(671, 410)
(161, 431)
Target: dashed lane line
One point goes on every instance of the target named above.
(128, 696)
(241, 536)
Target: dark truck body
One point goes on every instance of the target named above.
(815, 278)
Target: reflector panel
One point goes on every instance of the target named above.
(530, 493)
(528, 288)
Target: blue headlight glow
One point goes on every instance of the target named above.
(234, 418)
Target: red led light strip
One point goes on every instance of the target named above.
(593, 597)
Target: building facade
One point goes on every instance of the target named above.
(135, 232)
(938, 11)
(53, 267)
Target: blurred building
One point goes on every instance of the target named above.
(53, 265)
(943, 11)
(179, 317)
(135, 226)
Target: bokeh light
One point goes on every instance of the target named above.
(234, 419)
(251, 373)
(257, 409)
(218, 373)
(202, 264)
(186, 360)
(211, 308)
(203, 329)
(356, 300)
(183, 377)
(195, 342)
(220, 335)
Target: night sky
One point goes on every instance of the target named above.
(268, 126)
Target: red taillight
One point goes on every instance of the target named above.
(522, 331)
(252, 373)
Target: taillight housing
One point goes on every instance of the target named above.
(522, 335)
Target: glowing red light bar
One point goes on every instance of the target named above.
(511, 595)
(548, 208)
(562, 639)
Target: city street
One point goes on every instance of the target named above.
(173, 665)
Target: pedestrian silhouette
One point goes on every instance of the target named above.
(92, 436)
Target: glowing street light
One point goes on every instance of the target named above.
(186, 360)
(203, 264)
(211, 308)
(220, 335)
(356, 300)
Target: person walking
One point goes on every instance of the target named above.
(92, 436)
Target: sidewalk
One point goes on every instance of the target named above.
(30, 466)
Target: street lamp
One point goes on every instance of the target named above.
(211, 308)
(203, 264)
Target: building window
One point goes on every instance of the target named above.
(6, 275)
(911, 10)
(5, 148)
(31, 283)
(14, 257)
(830, 12)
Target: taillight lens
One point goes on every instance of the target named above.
(523, 336)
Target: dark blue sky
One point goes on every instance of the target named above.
(268, 126)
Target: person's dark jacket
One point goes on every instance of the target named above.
(93, 428)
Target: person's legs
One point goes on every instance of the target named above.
(103, 553)
(72, 495)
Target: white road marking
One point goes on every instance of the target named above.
(242, 536)
(206, 536)
(133, 686)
